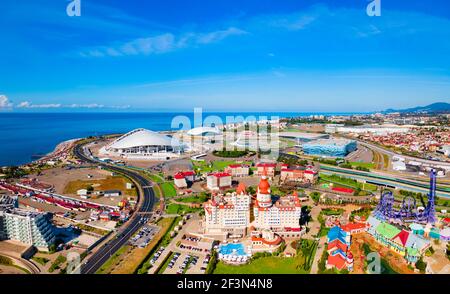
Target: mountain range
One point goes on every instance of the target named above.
(438, 107)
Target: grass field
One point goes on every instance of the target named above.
(173, 208)
(156, 178)
(109, 183)
(271, 265)
(217, 165)
(168, 190)
(347, 182)
(369, 165)
(194, 199)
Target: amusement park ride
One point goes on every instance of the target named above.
(408, 212)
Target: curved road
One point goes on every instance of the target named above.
(127, 230)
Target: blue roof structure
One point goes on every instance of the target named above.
(337, 233)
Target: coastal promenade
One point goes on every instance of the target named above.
(146, 201)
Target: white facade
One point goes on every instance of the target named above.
(217, 181)
(229, 214)
(30, 228)
(377, 130)
(144, 144)
(282, 215)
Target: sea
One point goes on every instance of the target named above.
(23, 136)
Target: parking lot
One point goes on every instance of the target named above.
(144, 236)
(183, 263)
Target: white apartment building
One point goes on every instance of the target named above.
(31, 228)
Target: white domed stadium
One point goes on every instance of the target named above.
(204, 131)
(144, 144)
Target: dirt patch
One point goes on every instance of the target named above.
(395, 260)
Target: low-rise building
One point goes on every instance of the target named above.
(112, 193)
(184, 179)
(339, 255)
(265, 168)
(298, 174)
(401, 241)
(218, 181)
(238, 170)
(265, 241)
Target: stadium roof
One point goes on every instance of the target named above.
(200, 131)
(143, 137)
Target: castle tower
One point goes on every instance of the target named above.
(263, 195)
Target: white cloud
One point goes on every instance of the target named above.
(27, 104)
(93, 105)
(161, 43)
(24, 104)
(4, 102)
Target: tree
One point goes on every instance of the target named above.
(421, 265)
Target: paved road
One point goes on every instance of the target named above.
(442, 190)
(146, 202)
(391, 153)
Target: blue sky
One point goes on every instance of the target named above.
(250, 55)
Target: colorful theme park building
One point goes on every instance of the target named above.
(282, 217)
(404, 242)
(228, 215)
(339, 255)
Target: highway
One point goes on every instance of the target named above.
(145, 205)
(441, 191)
(391, 154)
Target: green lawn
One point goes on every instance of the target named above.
(156, 178)
(272, 264)
(369, 165)
(194, 199)
(346, 182)
(217, 165)
(168, 189)
(173, 208)
(264, 265)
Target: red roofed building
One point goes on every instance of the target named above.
(340, 262)
(354, 228)
(265, 240)
(446, 221)
(298, 174)
(181, 179)
(267, 169)
(238, 170)
(401, 238)
(218, 181)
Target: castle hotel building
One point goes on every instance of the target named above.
(282, 216)
(228, 215)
